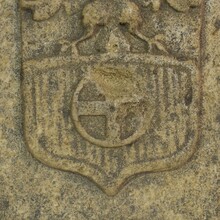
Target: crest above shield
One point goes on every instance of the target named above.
(112, 89)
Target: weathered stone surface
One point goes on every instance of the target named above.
(109, 109)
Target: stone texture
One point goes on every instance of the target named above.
(188, 187)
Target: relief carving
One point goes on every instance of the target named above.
(112, 88)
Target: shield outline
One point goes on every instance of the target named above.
(83, 169)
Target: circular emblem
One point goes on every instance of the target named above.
(110, 107)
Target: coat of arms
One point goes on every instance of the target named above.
(112, 88)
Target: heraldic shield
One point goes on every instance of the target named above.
(112, 88)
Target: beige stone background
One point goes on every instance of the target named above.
(31, 190)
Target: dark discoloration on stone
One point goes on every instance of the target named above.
(4, 204)
(217, 24)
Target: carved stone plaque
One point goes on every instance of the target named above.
(112, 88)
